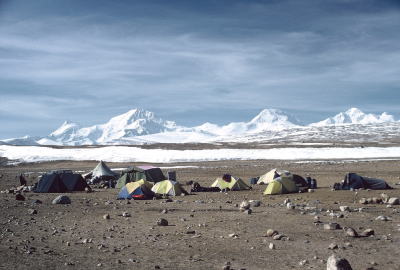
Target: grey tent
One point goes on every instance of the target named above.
(101, 173)
(355, 181)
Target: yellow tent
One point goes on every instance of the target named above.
(281, 185)
(271, 175)
(234, 184)
(136, 190)
(168, 187)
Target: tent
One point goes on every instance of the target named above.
(275, 173)
(271, 175)
(355, 181)
(168, 187)
(136, 190)
(60, 181)
(281, 185)
(101, 172)
(230, 182)
(148, 173)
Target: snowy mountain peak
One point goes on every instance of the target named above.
(270, 119)
(132, 116)
(66, 127)
(270, 116)
(355, 116)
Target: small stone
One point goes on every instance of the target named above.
(290, 206)
(271, 246)
(351, 232)
(271, 232)
(106, 216)
(277, 236)
(32, 211)
(335, 263)
(164, 211)
(36, 202)
(331, 226)
(363, 201)
(286, 201)
(393, 201)
(255, 203)
(303, 262)
(19, 197)
(233, 235)
(126, 214)
(382, 218)
(368, 232)
(248, 211)
(244, 205)
(344, 208)
(376, 200)
(62, 199)
(333, 246)
(162, 222)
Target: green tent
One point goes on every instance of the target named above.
(148, 173)
(230, 183)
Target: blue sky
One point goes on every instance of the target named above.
(194, 61)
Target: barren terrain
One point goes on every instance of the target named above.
(76, 236)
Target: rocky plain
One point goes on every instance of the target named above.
(232, 230)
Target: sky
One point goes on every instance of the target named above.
(194, 61)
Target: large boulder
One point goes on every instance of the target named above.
(62, 199)
(335, 263)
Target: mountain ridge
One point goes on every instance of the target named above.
(139, 126)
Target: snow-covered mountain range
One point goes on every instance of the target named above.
(140, 126)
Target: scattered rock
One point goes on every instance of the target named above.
(19, 197)
(351, 232)
(271, 246)
(255, 203)
(248, 211)
(383, 218)
(162, 222)
(271, 232)
(164, 211)
(278, 236)
(333, 246)
(376, 200)
(335, 263)
(244, 205)
(290, 206)
(32, 211)
(106, 216)
(62, 199)
(126, 214)
(344, 208)
(331, 226)
(363, 201)
(368, 232)
(303, 262)
(393, 201)
(233, 235)
(36, 202)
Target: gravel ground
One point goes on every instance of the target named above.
(199, 234)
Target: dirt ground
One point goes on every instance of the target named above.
(76, 236)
